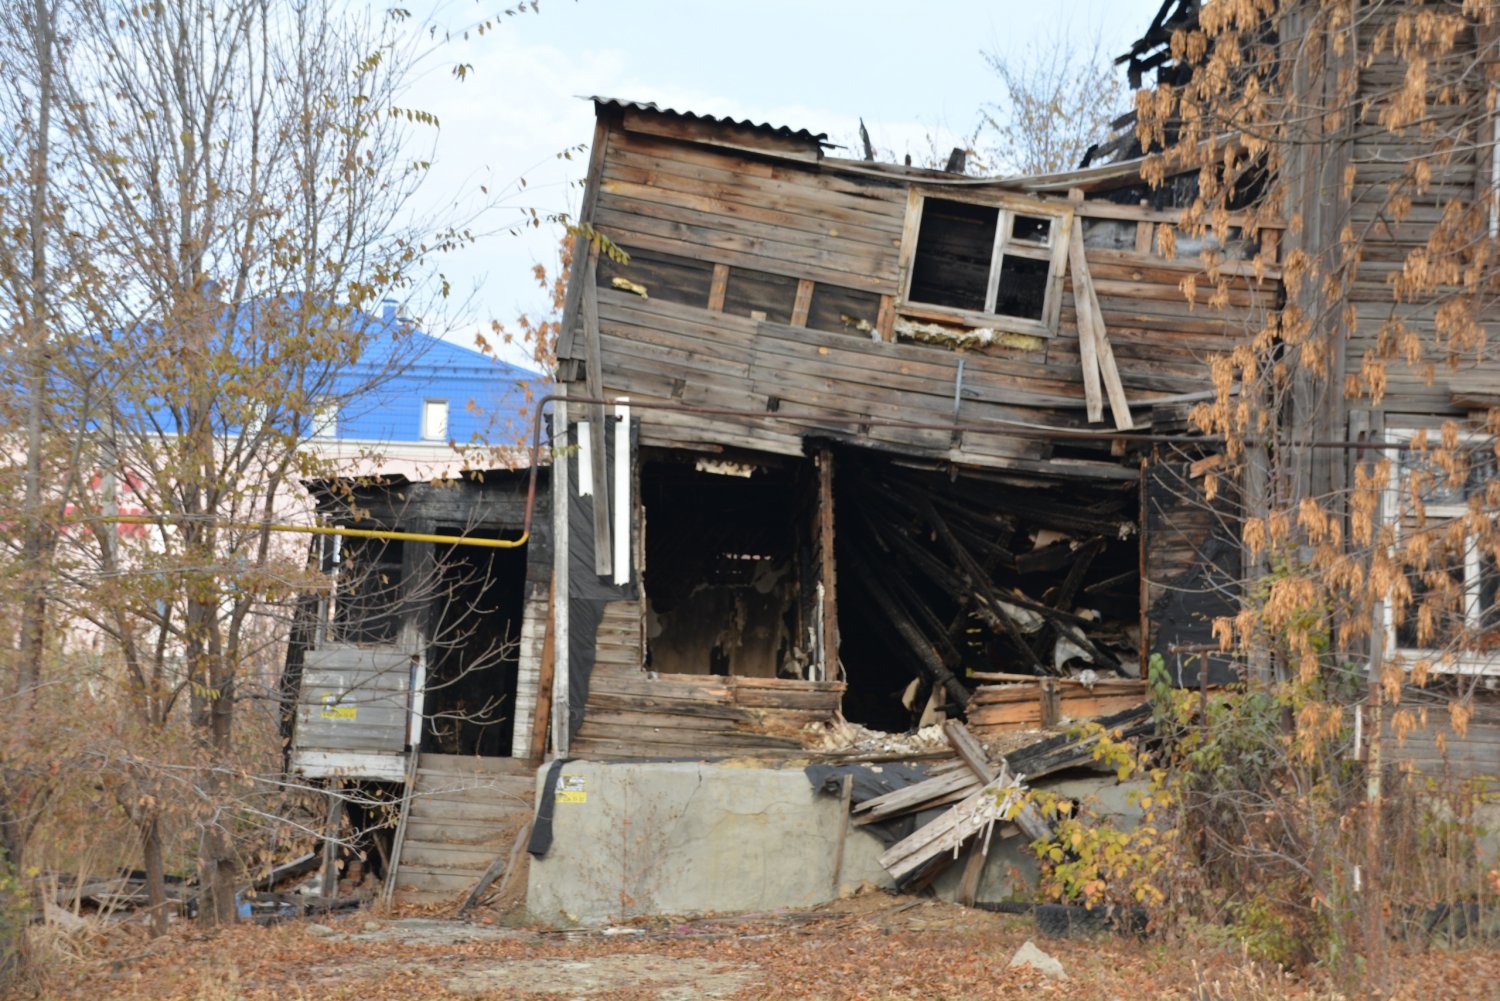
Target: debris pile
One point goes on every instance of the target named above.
(1014, 608)
(984, 796)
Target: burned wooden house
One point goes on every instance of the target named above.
(842, 448)
(844, 437)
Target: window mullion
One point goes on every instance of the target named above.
(1472, 571)
(997, 254)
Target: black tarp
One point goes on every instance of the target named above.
(870, 781)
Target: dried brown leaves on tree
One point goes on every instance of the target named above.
(1360, 433)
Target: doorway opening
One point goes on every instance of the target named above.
(477, 597)
(727, 567)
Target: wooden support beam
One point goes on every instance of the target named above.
(803, 303)
(1083, 558)
(1051, 700)
(1143, 232)
(1084, 304)
(594, 379)
(845, 801)
(827, 570)
(718, 287)
(885, 320)
(1091, 326)
(542, 708)
(330, 880)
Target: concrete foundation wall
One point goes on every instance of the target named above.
(688, 837)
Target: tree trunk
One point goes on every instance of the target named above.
(156, 873)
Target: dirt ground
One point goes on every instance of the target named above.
(874, 946)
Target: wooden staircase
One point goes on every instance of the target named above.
(465, 812)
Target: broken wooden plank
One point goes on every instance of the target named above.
(1065, 750)
(947, 833)
(1028, 818)
(1087, 306)
(968, 750)
(909, 799)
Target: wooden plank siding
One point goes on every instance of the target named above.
(707, 220)
(631, 714)
(1383, 164)
(1434, 749)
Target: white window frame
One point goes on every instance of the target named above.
(1054, 252)
(430, 408)
(1393, 507)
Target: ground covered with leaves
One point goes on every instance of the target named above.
(871, 947)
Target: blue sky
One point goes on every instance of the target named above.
(910, 69)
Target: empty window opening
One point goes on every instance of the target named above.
(476, 597)
(1453, 578)
(986, 259)
(955, 245)
(367, 592)
(1023, 288)
(727, 559)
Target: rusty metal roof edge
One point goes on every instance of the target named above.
(781, 131)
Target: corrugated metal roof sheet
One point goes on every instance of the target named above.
(780, 131)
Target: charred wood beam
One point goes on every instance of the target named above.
(1083, 559)
(1047, 559)
(1110, 583)
(980, 581)
(927, 656)
(928, 619)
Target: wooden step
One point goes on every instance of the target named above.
(428, 797)
(447, 832)
(465, 813)
(450, 858)
(468, 764)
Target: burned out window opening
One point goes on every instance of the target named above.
(988, 261)
(367, 589)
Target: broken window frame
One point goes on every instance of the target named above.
(1395, 510)
(1008, 206)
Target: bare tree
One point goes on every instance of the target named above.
(238, 175)
(1059, 99)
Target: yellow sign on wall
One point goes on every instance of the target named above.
(570, 789)
(333, 710)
